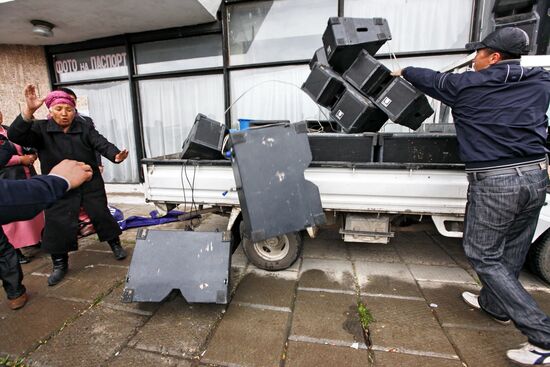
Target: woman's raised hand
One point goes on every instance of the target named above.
(33, 101)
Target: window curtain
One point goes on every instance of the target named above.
(418, 25)
(108, 104)
(272, 94)
(169, 107)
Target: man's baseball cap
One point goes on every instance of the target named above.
(512, 40)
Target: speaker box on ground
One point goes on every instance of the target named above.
(368, 75)
(344, 38)
(404, 104)
(418, 148)
(268, 165)
(196, 263)
(333, 147)
(319, 57)
(355, 113)
(323, 85)
(204, 140)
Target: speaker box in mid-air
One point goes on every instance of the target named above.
(268, 166)
(319, 57)
(196, 263)
(334, 147)
(368, 75)
(355, 113)
(344, 38)
(323, 85)
(418, 148)
(404, 104)
(205, 139)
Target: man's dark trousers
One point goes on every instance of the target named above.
(501, 217)
(10, 269)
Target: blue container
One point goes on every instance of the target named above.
(244, 124)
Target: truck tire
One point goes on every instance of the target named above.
(276, 253)
(538, 258)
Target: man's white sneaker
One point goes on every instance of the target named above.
(472, 300)
(530, 355)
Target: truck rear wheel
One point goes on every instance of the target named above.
(538, 258)
(276, 253)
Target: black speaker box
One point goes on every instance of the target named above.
(404, 104)
(344, 38)
(268, 165)
(333, 147)
(204, 140)
(368, 75)
(505, 7)
(418, 148)
(355, 113)
(319, 57)
(323, 85)
(196, 263)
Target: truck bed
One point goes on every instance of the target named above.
(424, 189)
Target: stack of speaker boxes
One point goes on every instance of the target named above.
(359, 91)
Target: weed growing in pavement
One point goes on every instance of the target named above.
(364, 315)
(6, 361)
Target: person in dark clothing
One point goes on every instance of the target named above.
(64, 137)
(85, 119)
(24, 199)
(20, 166)
(500, 116)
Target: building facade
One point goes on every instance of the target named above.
(144, 90)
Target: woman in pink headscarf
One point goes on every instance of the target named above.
(20, 166)
(61, 137)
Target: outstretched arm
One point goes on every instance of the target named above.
(106, 148)
(24, 199)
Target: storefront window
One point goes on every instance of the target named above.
(272, 94)
(418, 25)
(169, 107)
(279, 30)
(94, 64)
(179, 54)
(108, 104)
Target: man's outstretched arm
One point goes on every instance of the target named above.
(24, 199)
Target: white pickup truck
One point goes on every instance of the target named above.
(362, 197)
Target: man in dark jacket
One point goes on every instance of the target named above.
(64, 137)
(24, 199)
(500, 116)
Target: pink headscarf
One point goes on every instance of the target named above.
(58, 97)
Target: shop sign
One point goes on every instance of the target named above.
(90, 61)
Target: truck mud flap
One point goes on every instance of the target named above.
(196, 263)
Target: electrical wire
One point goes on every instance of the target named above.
(191, 185)
(182, 185)
(281, 82)
(392, 54)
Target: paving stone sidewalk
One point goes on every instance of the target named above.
(300, 317)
